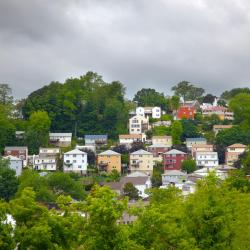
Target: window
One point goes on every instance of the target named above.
(79, 166)
(74, 161)
(82, 161)
(74, 155)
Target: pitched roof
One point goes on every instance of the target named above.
(15, 148)
(140, 180)
(196, 139)
(159, 145)
(109, 152)
(141, 152)
(203, 146)
(174, 172)
(75, 152)
(96, 137)
(237, 145)
(174, 152)
(137, 174)
(129, 136)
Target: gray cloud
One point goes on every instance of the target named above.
(141, 43)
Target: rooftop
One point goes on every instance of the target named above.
(75, 152)
(96, 137)
(109, 152)
(174, 152)
(61, 134)
(196, 139)
(141, 152)
(222, 126)
(128, 136)
(237, 145)
(173, 173)
(15, 148)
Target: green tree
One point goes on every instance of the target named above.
(156, 178)
(174, 102)
(161, 130)
(188, 166)
(176, 132)
(114, 175)
(131, 191)
(6, 97)
(227, 95)
(190, 130)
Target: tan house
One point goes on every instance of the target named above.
(109, 160)
(138, 124)
(164, 140)
(142, 161)
(128, 139)
(218, 128)
(201, 148)
(233, 152)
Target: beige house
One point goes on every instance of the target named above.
(138, 124)
(164, 140)
(108, 161)
(128, 139)
(218, 128)
(142, 161)
(233, 152)
(201, 148)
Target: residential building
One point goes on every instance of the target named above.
(138, 124)
(161, 123)
(60, 139)
(185, 112)
(20, 135)
(109, 160)
(128, 139)
(190, 142)
(142, 161)
(203, 172)
(164, 140)
(192, 104)
(173, 177)
(201, 148)
(172, 159)
(154, 112)
(75, 161)
(15, 164)
(233, 152)
(19, 152)
(158, 149)
(218, 128)
(222, 112)
(96, 140)
(207, 159)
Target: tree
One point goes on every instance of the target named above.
(6, 97)
(188, 166)
(161, 130)
(37, 134)
(209, 98)
(190, 130)
(176, 132)
(174, 102)
(156, 178)
(114, 175)
(131, 191)
(227, 95)
(8, 180)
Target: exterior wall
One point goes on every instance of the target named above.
(167, 179)
(199, 148)
(78, 163)
(156, 112)
(142, 189)
(185, 112)
(158, 151)
(232, 155)
(207, 159)
(130, 140)
(138, 125)
(21, 154)
(140, 111)
(142, 163)
(172, 161)
(93, 141)
(17, 165)
(112, 161)
(45, 163)
(60, 140)
(192, 143)
(166, 140)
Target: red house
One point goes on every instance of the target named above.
(172, 159)
(185, 112)
(19, 152)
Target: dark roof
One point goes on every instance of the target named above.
(96, 137)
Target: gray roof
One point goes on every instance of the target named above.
(141, 152)
(196, 139)
(60, 134)
(109, 152)
(96, 137)
(159, 146)
(174, 172)
(75, 152)
(175, 152)
(15, 148)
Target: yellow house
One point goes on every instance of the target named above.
(109, 160)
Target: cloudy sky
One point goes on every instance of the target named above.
(142, 43)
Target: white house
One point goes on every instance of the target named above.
(190, 142)
(138, 124)
(173, 177)
(15, 164)
(75, 161)
(128, 139)
(207, 159)
(154, 112)
(60, 139)
(203, 172)
(162, 139)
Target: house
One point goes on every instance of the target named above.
(203, 172)
(201, 148)
(218, 128)
(19, 152)
(222, 112)
(60, 139)
(164, 140)
(108, 161)
(47, 159)
(75, 161)
(128, 139)
(20, 135)
(142, 161)
(154, 112)
(158, 149)
(185, 112)
(173, 177)
(161, 123)
(233, 152)
(190, 142)
(140, 181)
(207, 159)
(192, 104)
(96, 140)
(15, 164)
(138, 124)
(172, 159)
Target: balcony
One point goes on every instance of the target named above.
(103, 166)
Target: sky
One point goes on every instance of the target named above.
(141, 43)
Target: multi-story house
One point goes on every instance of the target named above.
(173, 177)
(47, 159)
(207, 159)
(233, 152)
(154, 112)
(75, 161)
(109, 160)
(138, 124)
(128, 139)
(158, 150)
(60, 139)
(190, 142)
(96, 140)
(201, 148)
(222, 112)
(15, 164)
(19, 152)
(173, 159)
(163, 139)
(185, 112)
(142, 161)
(218, 128)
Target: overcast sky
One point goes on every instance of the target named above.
(142, 43)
